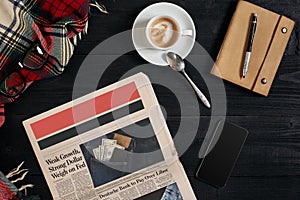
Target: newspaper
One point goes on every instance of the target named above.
(111, 144)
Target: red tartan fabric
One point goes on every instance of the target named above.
(6, 193)
(51, 23)
(52, 11)
(49, 12)
(56, 20)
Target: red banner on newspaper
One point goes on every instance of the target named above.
(88, 109)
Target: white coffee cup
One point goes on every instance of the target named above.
(163, 32)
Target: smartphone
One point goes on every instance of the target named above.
(218, 162)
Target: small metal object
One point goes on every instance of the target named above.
(264, 81)
(177, 64)
(284, 30)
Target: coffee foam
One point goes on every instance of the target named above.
(163, 32)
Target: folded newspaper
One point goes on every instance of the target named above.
(111, 144)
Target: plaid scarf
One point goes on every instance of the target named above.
(56, 21)
(54, 24)
(6, 189)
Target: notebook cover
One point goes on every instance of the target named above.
(268, 47)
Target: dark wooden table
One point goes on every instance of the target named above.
(269, 164)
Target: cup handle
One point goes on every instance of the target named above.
(187, 33)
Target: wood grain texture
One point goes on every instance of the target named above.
(268, 166)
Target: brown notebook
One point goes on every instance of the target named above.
(272, 34)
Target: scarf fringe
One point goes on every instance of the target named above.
(99, 6)
(24, 187)
(74, 40)
(15, 171)
(21, 178)
(22, 173)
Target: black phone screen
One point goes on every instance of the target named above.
(216, 166)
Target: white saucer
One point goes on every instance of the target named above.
(158, 57)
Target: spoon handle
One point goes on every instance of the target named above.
(199, 93)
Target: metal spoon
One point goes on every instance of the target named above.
(177, 64)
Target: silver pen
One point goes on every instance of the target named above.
(250, 43)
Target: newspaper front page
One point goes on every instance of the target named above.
(111, 144)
